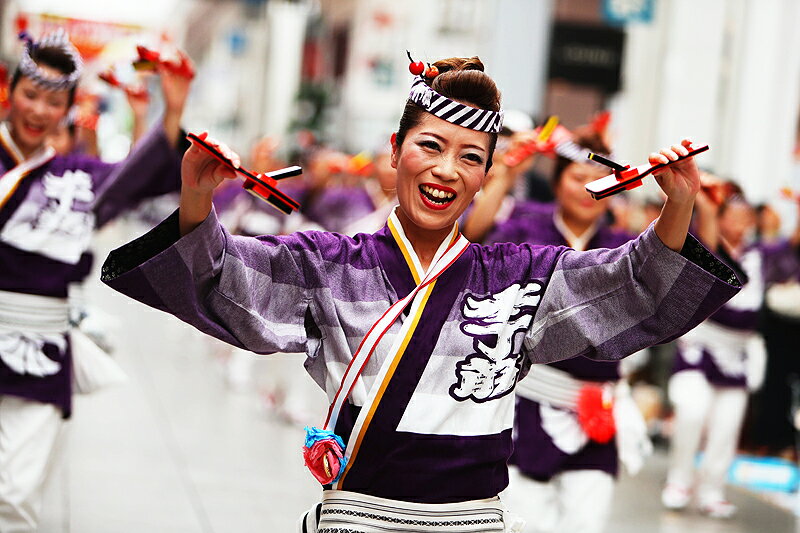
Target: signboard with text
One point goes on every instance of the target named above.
(587, 55)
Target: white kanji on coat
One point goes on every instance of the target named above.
(504, 317)
(58, 226)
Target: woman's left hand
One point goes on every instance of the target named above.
(679, 181)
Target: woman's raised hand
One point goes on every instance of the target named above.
(680, 181)
(176, 79)
(201, 172)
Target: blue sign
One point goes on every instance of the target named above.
(627, 11)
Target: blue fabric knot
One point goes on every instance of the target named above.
(314, 435)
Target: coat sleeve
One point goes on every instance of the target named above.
(152, 168)
(252, 292)
(606, 304)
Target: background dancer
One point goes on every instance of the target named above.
(717, 361)
(564, 476)
(49, 207)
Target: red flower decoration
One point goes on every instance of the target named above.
(324, 459)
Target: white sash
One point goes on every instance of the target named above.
(342, 510)
(447, 254)
(32, 313)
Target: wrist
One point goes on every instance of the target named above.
(173, 114)
(683, 204)
(196, 195)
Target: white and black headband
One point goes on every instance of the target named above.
(29, 68)
(455, 112)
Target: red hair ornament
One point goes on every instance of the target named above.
(415, 67)
(418, 68)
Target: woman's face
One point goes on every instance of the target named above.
(737, 222)
(36, 112)
(571, 195)
(440, 166)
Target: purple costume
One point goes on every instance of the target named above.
(536, 452)
(718, 348)
(337, 207)
(441, 430)
(46, 222)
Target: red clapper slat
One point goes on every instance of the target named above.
(630, 178)
(262, 186)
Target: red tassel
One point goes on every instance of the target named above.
(596, 414)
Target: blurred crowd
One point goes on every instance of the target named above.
(742, 370)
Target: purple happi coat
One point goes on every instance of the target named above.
(536, 449)
(46, 224)
(719, 347)
(441, 431)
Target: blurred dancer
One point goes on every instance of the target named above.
(427, 424)
(719, 360)
(565, 473)
(49, 206)
(335, 199)
(768, 224)
(382, 188)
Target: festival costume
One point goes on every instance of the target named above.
(431, 425)
(559, 465)
(338, 207)
(49, 207)
(713, 367)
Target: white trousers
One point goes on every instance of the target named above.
(717, 412)
(28, 435)
(572, 502)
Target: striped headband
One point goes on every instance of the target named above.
(29, 68)
(455, 112)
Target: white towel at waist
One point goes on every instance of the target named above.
(31, 313)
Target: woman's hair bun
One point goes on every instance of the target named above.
(459, 63)
(463, 79)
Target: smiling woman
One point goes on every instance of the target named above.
(41, 94)
(418, 336)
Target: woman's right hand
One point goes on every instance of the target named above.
(201, 172)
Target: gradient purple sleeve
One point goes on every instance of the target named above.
(249, 292)
(152, 168)
(606, 304)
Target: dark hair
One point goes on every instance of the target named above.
(463, 80)
(734, 194)
(585, 138)
(52, 57)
